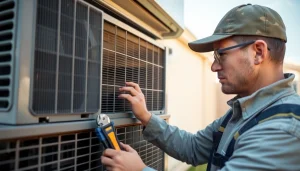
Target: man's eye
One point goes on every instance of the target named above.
(222, 54)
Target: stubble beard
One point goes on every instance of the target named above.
(242, 81)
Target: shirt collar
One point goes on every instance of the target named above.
(263, 97)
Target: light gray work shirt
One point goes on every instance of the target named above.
(271, 145)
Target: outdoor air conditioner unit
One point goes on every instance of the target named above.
(64, 60)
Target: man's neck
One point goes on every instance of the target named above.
(265, 79)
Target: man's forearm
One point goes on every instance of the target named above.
(171, 140)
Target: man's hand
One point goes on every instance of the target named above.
(122, 160)
(137, 100)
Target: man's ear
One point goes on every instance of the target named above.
(261, 51)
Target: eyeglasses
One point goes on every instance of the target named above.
(217, 53)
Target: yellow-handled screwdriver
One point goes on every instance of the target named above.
(106, 132)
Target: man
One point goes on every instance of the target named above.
(261, 130)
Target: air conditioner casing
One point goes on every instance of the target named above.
(20, 88)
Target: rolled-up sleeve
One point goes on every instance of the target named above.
(190, 148)
(148, 169)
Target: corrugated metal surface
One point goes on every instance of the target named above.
(72, 151)
(7, 44)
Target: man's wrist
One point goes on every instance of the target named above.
(146, 118)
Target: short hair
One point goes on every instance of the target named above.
(277, 46)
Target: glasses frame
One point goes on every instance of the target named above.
(217, 52)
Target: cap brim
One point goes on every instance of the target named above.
(206, 44)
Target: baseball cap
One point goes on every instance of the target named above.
(245, 19)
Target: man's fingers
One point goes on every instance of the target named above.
(107, 161)
(127, 147)
(108, 168)
(134, 85)
(132, 91)
(110, 153)
(127, 97)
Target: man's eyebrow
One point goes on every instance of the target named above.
(217, 48)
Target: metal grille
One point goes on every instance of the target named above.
(150, 154)
(67, 58)
(7, 34)
(75, 151)
(127, 57)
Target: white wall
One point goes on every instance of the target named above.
(295, 69)
(183, 88)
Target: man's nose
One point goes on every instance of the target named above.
(215, 67)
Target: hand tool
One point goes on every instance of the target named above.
(106, 132)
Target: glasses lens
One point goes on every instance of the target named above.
(217, 56)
